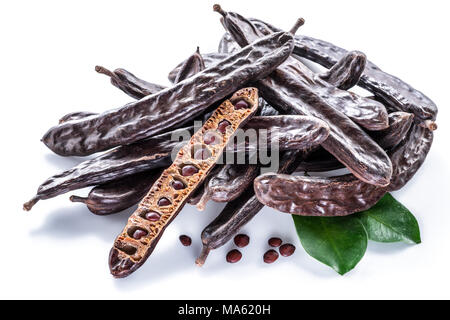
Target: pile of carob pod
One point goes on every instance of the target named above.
(256, 80)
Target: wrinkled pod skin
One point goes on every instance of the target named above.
(399, 125)
(173, 106)
(345, 74)
(240, 211)
(293, 88)
(293, 132)
(116, 196)
(343, 195)
(370, 115)
(129, 83)
(174, 187)
(137, 88)
(387, 88)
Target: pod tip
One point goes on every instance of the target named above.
(28, 205)
(203, 255)
(219, 9)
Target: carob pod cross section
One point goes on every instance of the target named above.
(171, 191)
(293, 89)
(173, 106)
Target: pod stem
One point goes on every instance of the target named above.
(203, 255)
(28, 205)
(218, 8)
(297, 25)
(429, 124)
(78, 199)
(201, 204)
(105, 71)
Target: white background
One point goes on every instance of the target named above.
(59, 249)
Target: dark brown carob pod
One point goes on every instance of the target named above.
(386, 87)
(177, 183)
(118, 195)
(129, 83)
(113, 165)
(399, 125)
(289, 132)
(240, 211)
(208, 59)
(293, 89)
(343, 195)
(193, 65)
(172, 107)
(76, 116)
(346, 73)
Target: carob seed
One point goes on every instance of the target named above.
(222, 126)
(139, 233)
(211, 138)
(163, 202)
(270, 256)
(189, 170)
(234, 256)
(275, 242)
(241, 104)
(287, 250)
(202, 154)
(185, 240)
(178, 185)
(241, 240)
(152, 216)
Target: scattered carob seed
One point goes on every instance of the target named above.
(270, 256)
(234, 256)
(275, 242)
(185, 240)
(287, 249)
(241, 240)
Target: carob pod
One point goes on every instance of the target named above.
(140, 88)
(387, 88)
(156, 152)
(239, 212)
(343, 195)
(399, 125)
(129, 83)
(171, 191)
(118, 195)
(76, 116)
(294, 133)
(193, 65)
(208, 59)
(115, 164)
(346, 73)
(173, 106)
(228, 183)
(293, 89)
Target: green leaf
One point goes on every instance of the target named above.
(339, 242)
(390, 221)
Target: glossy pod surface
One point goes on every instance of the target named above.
(118, 195)
(173, 106)
(293, 89)
(388, 88)
(130, 252)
